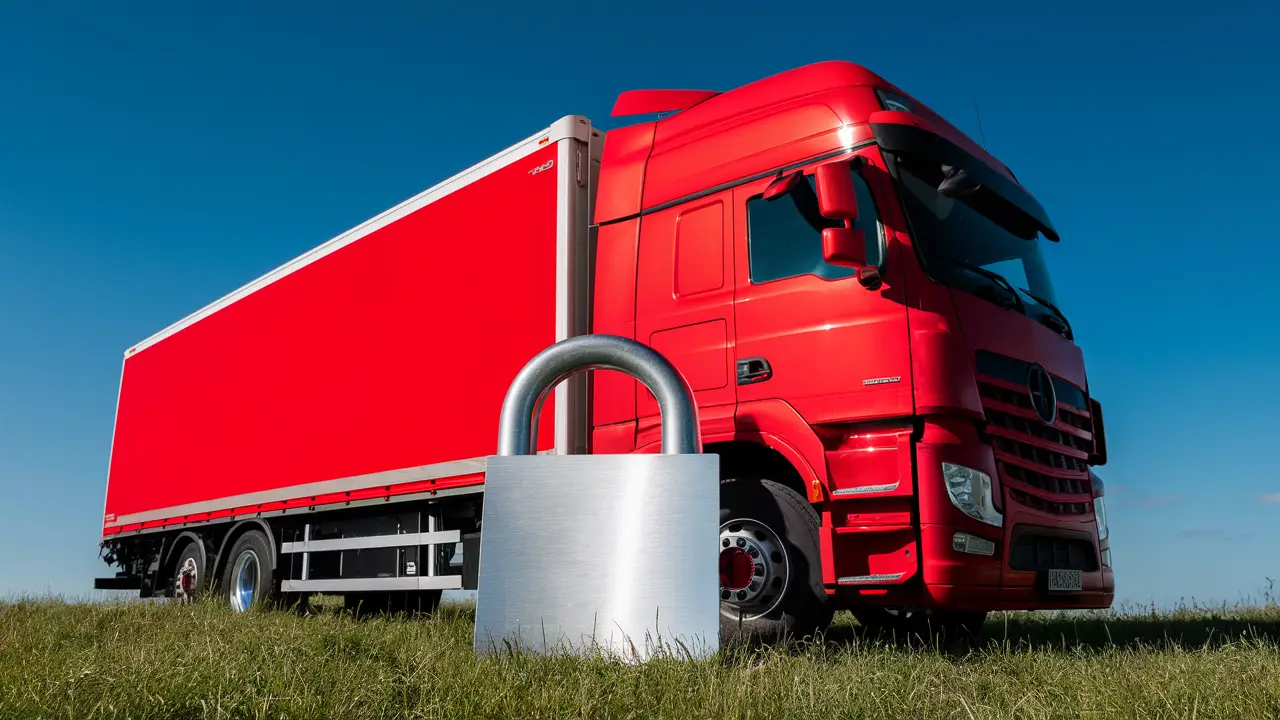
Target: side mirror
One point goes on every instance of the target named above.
(844, 247)
(783, 185)
(836, 197)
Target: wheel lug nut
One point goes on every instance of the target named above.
(725, 542)
(753, 552)
(742, 594)
(724, 594)
(742, 543)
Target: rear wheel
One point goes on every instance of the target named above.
(249, 574)
(188, 573)
(770, 563)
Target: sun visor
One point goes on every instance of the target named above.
(911, 137)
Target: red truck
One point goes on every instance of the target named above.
(855, 291)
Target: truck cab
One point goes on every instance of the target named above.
(858, 296)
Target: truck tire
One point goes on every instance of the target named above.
(248, 576)
(188, 574)
(770, 564)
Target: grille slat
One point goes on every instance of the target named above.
(1036, 502)
(1028, 415)
(1060, 485)
(1034, 429)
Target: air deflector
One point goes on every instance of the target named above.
(646, 102)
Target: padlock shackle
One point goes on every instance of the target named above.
(680, 432)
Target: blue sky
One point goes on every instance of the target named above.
(153, 159)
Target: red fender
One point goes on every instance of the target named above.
(772, 423)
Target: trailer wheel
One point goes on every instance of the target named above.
(249, 574)
(770, 563)
(188, 573)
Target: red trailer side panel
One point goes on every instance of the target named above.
(391, 352)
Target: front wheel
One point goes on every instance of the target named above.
(770, 563)
(248, 576)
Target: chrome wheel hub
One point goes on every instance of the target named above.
(754, 569)
(245, 584)
(185, 581)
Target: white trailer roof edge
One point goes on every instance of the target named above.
(569, 126)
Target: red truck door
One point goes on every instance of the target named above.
(836, 352)
(684, 305)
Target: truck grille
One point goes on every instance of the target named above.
(1042, 466)
(1043, 552)
(1037, 503)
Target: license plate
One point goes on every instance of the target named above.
(1065, 580)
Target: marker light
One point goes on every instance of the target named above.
(1100, 513)
(972, 544)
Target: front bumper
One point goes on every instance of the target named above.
(979, 598)
(960, 580)
(972, 582)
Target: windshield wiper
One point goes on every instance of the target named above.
(1066, 325)
(994, 277)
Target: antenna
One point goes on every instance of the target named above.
(981, 134)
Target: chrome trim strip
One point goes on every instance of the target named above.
(441, 582)
(421, 496)
(865, 490)
(373, 541)
(869, 579)
(387, 478)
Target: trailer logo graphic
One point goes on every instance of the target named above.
(1044, 399)
(544, 166)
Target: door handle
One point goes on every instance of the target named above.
(753, 370)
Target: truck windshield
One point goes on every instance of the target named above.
(955, 239)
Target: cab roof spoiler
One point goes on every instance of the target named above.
(646, 102)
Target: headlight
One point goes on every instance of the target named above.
(1100, 512)
(970, 490)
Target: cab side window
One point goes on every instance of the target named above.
(784, 236)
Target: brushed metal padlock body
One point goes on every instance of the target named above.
(612, 552)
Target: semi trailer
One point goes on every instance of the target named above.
(856, 293)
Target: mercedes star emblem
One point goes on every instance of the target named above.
(1044, 399)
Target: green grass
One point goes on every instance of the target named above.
(145, 660)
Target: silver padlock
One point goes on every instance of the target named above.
(600, 553)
